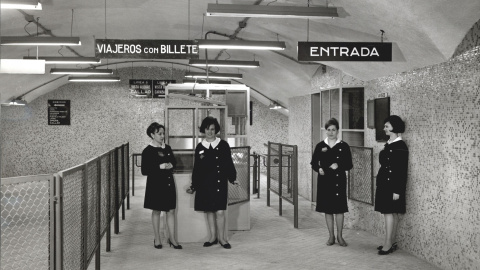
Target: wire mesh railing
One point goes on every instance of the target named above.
(255, 165)
(68, 212)
(282, 175)
(241, 160)
(27, 230)
(360, 177)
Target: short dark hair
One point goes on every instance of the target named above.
(397, 123)
(332, 122)
(154, 128)
(207, 122)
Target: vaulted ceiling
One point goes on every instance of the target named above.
(422, 32)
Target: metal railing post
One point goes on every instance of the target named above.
(122, 166)
(109, 199)
(116, 219)
(268, 174)
(280, 177)
(127, 174)
(99, 216)
(295, 186)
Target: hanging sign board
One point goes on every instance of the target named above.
(159, 87)
(145, 49)
(345, 51)
(148, 88)
(58, 112)
(140, 88)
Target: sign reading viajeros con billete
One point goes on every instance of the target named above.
(345, 51)
(146, 49)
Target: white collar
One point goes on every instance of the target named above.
(326, 142)
(397, 139)
(161, 146)
(213, 144)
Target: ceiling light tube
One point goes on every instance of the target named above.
(213, 75)
(224, 63)
(203, 81)
(94, 79)
(86, 71)
(22, 66)
(17, 102)
(41, 41)
(23, 4)
(66, 60)
(240, 44)
(257, 11)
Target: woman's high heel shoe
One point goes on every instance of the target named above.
(395, 247)
(208, 244)
(386, 252)
(175, 247)
(227, 245)
(157, 246)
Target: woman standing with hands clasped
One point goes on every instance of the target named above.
(392, 181)
(158, 163)
(331, 158)
(212, 171)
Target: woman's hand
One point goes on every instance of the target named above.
(395, 196)
(190, 191)
(334, 166)
(321, 172)
(236, 183)
(166, 166)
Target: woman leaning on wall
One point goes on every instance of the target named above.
(392, 181)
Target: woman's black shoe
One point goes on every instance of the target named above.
(227, 245)
(395, 247)
(157, 246)
(208, 244)
(175, 247)
(383, 252)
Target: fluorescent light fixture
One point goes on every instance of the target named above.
(225, 10)
(274, 106)
(21, 4)
(86, 71)
(66, 60)
(22, 66)
(203, 81)
(41, 41)
(94, 79)
(213, 75)
(17, 102)
(224, 63)
(240, 44)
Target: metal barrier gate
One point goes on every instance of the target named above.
(282, 175)
(57, 221)
(360, 177)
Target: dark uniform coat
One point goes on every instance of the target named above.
(212, 170)
(392, 178)
(160, 192)
(332, 187)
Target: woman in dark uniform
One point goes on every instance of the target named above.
(158, 163)
(212, 171)
(392, 181)
(331, 158)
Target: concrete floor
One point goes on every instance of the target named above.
(272, 243)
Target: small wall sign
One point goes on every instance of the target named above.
(148, 88)
(58, 112)
(345, 51)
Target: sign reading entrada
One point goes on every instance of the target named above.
(146, 49)
(345, 51)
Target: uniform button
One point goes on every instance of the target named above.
(168, 184)
(216, 157)
(219, 181)
(337, 185)
(337, 194)
(388, 158)
(216, 148)
(218, 166)
(390, 150)
(390, 171)
(339, 149)
(337, 174)
(388, 179)
(338, 157)
(218, 190)
(218, 171)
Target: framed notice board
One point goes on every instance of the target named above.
(382, 111)
(58, 112)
